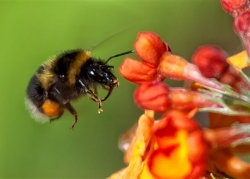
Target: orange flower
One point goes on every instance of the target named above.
(158, 146)
(138, 150)
(149, 47)
(176, 135)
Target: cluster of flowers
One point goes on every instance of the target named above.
(175, 146)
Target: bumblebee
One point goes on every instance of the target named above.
(66, 78)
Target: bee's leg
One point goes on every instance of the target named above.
(73, 112)
(95, 90)
(93, 96)
(109, 93)
(60, 98)
(105, 87)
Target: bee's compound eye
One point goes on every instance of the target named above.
(51, 108)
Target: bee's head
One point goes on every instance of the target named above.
(101, 73)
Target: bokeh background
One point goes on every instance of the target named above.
(33, 30)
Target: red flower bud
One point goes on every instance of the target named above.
(153, 96)
(211, 61)
(158, 97)
(230, 6)
(242, 23)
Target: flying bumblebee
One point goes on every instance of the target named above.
(65, 78)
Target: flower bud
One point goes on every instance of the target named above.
(231, 6)
(242, 23)
(153, 96)
(210, 60)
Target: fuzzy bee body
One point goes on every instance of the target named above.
(65, 78)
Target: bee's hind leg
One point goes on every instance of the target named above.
(66, 104)
(72, 110)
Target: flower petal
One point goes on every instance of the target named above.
(119, 174)
(166, 164)
(176, 136)
(137, 151)
(165, 130)
(143, 134)
(198, 153)
(137, 72)
(239, 61)
(149, 47)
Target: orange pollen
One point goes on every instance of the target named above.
(51, 108)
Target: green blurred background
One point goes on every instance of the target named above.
(32, 31)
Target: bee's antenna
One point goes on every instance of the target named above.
(120, 54)
(108, 38)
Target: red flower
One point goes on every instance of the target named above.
(158, 63)
(159, 97)
(149, 48)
